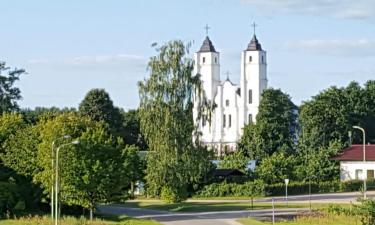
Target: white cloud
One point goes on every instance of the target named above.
(90, 60)
(359, 47)
(352, 9)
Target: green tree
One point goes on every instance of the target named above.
(316, 164)
(134, 165)
(276, 168)
(98, 106)
(132, 129)
(332, 113)
(16, 188)
(235, 160)
(166, 101)
(275, 128)
(9, 95)
(91, 171)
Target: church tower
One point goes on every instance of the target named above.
(208, 66)
(253, 79)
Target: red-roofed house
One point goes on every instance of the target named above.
(352, 165)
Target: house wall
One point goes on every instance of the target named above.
(348, 169)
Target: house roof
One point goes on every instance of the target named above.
(355, 153)
(227, 172)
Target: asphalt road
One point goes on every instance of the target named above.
(202, 218)
(229, 217)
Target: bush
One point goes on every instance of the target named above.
(258, 188)
(224, 189)
(170, 195)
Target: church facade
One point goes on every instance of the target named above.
(235, 105)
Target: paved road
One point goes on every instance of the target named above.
(228, 217)
(202, 218)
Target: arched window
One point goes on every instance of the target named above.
(215, 59)
(250, 58)
(250, 96)
(224, 120)
(227, 102)
(204, 59)
(262, 59)
(230, 120)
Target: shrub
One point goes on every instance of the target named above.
(224, 189)
(171, 195)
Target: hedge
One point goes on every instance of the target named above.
(258, 188)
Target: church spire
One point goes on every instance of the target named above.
(207, 45)
(254, 44)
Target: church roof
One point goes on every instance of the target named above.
(207, 46)
(254, 45)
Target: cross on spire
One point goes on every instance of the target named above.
(207, 28)
(254, 25)
(228, 73)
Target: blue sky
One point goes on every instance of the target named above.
(69, 47)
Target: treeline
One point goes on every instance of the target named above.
(103, 166)
(287, 141)
(297, 142)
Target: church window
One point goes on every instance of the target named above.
(224, 120)
(262, 59)
(250, 119)
(204, 59)
(215, 59)
(250, 96)
(230, 120)
(250, 58)
(227, 102)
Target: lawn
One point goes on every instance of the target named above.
(212, 206)
(38, 220)
(308, 220)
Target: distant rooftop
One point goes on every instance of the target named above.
(355, 153)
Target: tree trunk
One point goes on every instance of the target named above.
(132, 189)
(91, 213)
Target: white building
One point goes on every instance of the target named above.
(352, 164)
(236, 105)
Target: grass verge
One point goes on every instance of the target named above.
(308, 220)
(110, 220)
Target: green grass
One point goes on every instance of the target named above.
(212, 206)
(112, 220)
(308, 220)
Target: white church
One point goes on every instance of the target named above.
(236, 104)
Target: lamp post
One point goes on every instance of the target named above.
(364, 158)
(57, 179)
(53, 167)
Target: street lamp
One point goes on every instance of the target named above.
(364, 158)
(57, 178)
(53, 166)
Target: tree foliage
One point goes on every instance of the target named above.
(9, 95)
(98, 106)
(276, 168)
(235, 160)
(275, 128)
(132, 131)
(166, 101)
